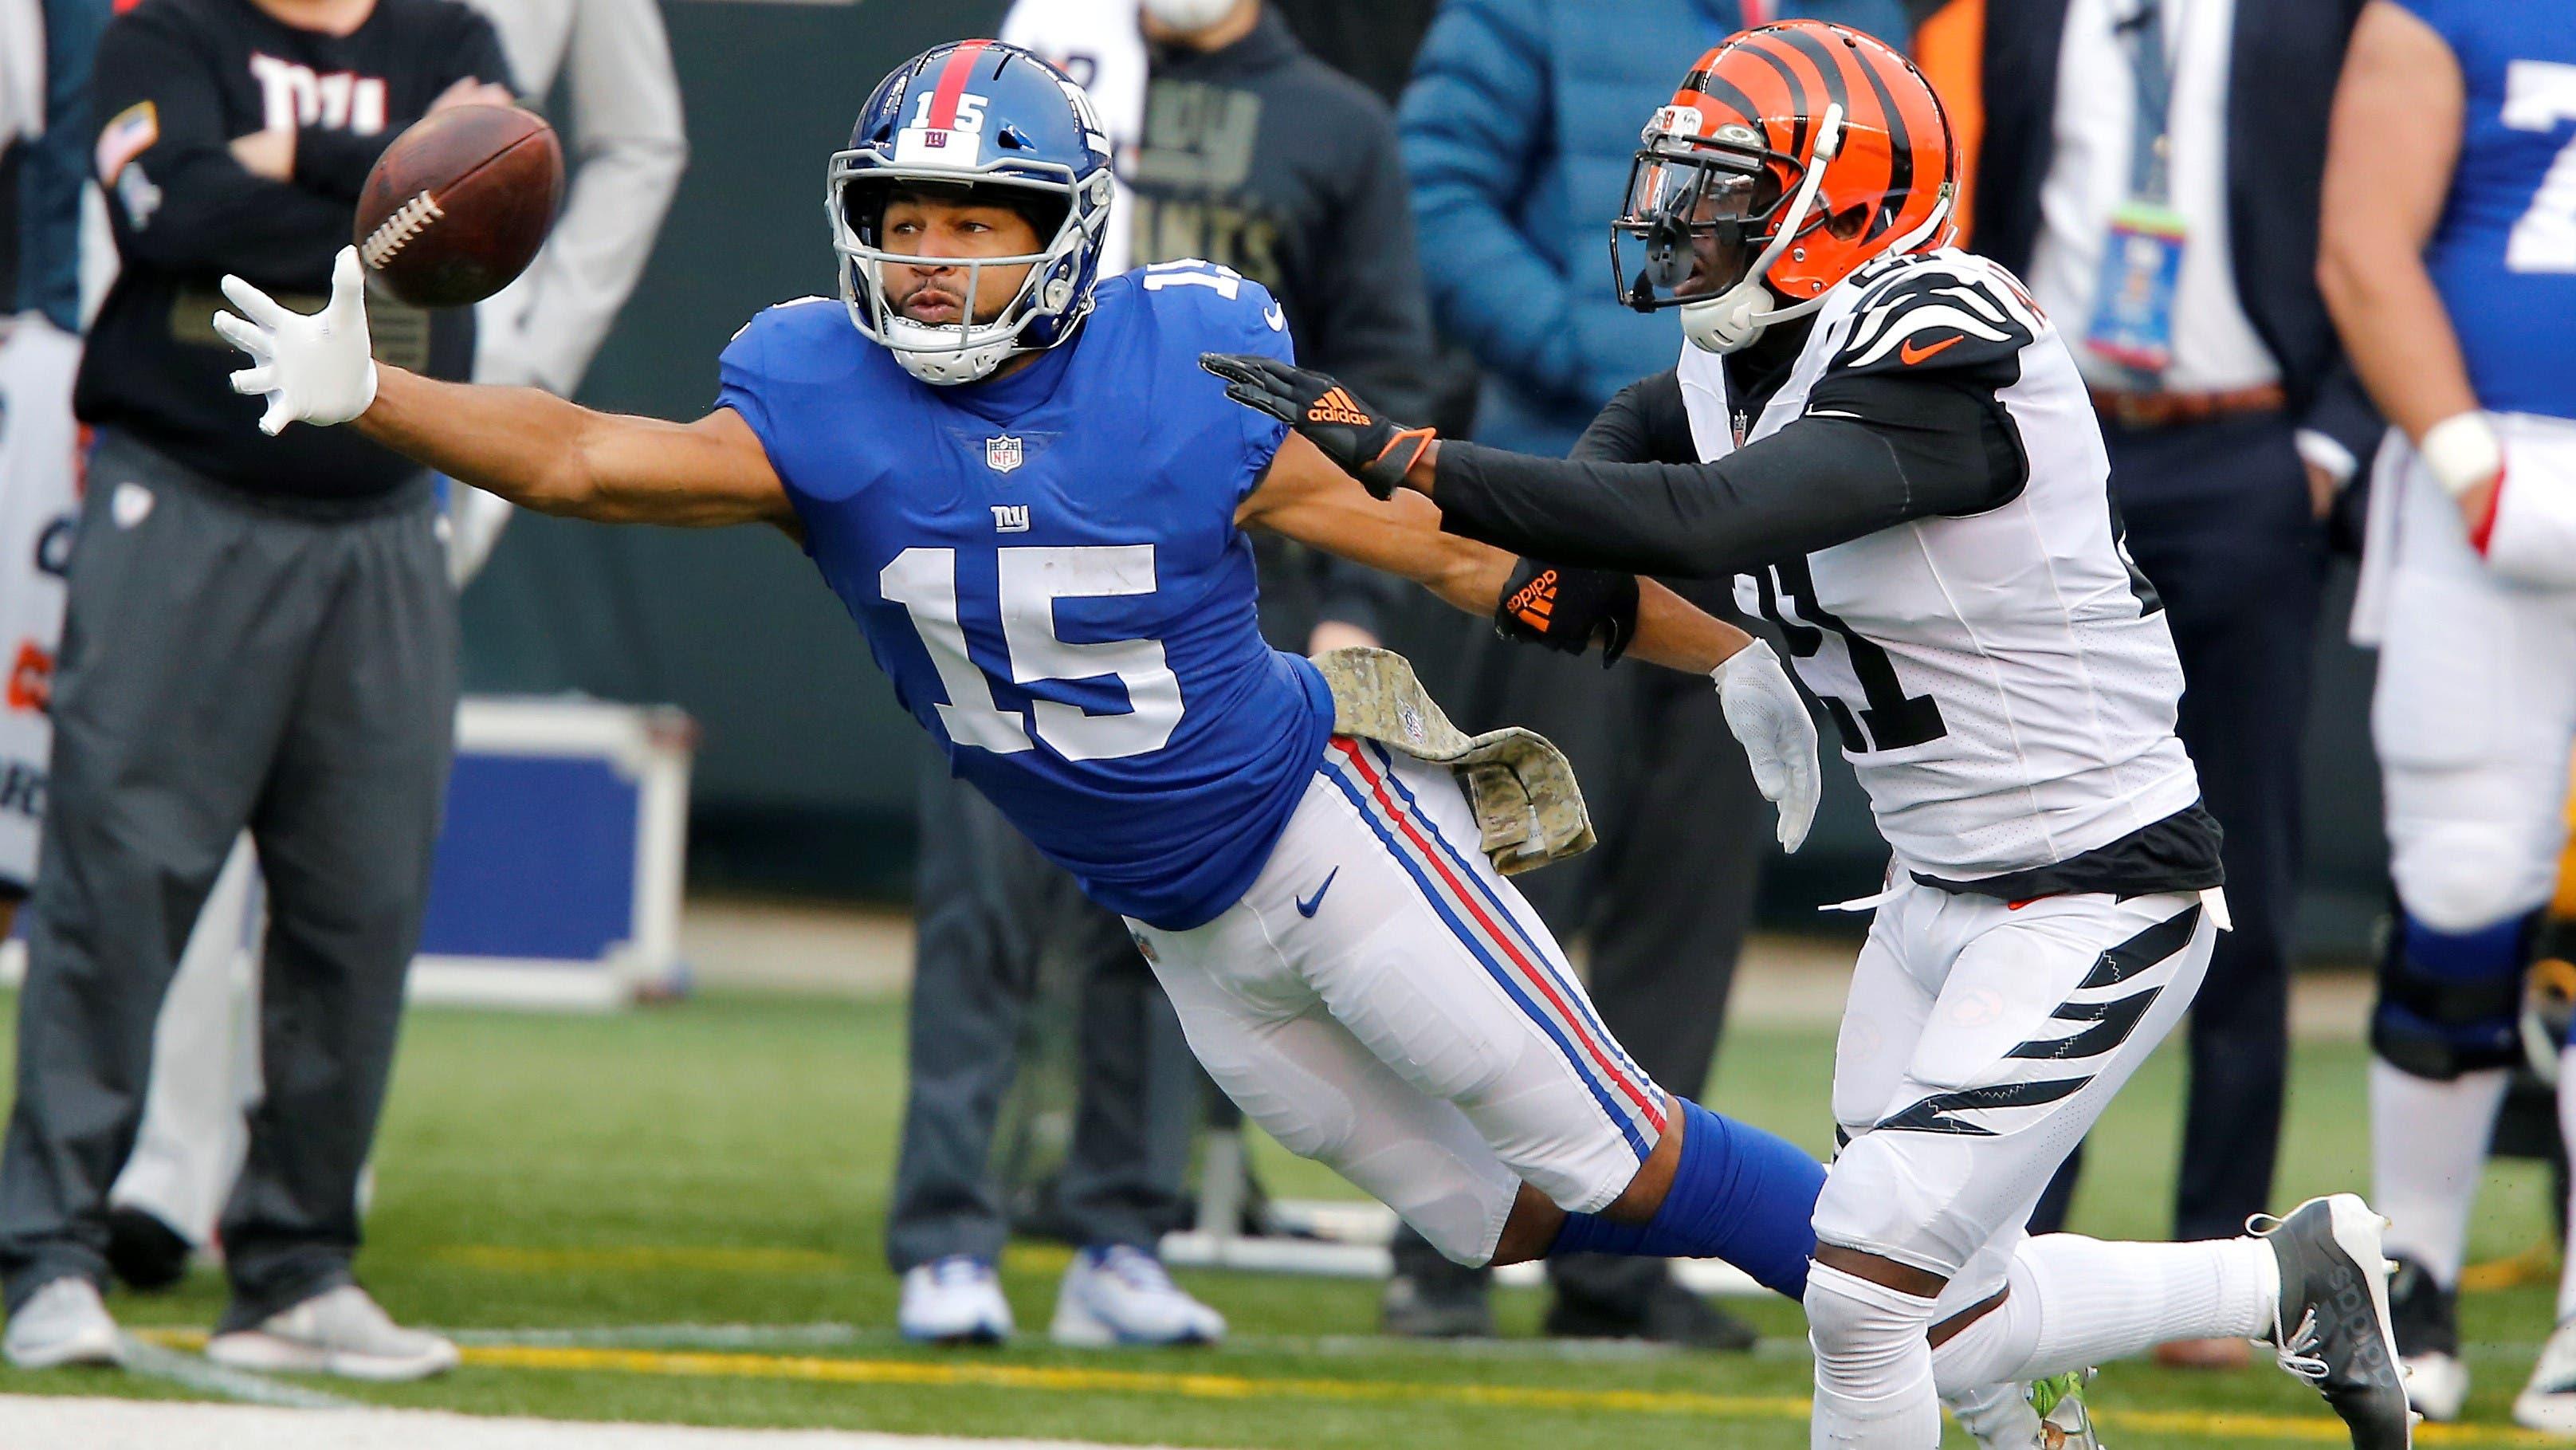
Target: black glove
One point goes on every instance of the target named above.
(1350, 432)
(1567, 609)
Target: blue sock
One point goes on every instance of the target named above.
(1739, 1194)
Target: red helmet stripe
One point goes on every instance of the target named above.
(952, 84)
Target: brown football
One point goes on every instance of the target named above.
(458, 205)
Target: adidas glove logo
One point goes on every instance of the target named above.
(1336, 407)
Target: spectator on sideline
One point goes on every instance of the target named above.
(627, 146)
(1518, 131)
(1237, 148)
(45, 48)
(2181, 259)
(259, 633)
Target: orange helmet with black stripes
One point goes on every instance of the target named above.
(1792, 155)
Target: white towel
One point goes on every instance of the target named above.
(1098, 43)
(22, 69)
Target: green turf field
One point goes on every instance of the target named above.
(567, 1185)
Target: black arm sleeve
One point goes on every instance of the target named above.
(1645, 423)
(197, 210)
(1872, 452)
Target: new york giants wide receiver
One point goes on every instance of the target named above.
(1032, 501)
(1888, 445)
(2450, 265)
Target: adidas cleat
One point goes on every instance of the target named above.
(2331, 1326)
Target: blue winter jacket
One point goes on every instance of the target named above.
(1518, 128)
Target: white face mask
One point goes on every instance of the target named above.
(1189, 15)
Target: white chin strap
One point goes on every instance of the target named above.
(1731, 320)
(935, 354)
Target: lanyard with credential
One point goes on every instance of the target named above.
(2132, 324)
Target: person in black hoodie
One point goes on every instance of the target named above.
(259, 633)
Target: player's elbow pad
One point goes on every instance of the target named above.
(1567, 609)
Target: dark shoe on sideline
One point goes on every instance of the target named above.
(1445, 1303)
(144, 1252)
(1670, 1314)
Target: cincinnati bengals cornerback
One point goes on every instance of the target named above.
(1887, 444)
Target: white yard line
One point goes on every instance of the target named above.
(206, 1377)
(94, 1424)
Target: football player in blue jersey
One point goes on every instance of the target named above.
(1032, 500)
(2449, 260)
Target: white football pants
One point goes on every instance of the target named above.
(1980, 1044)
(1383, 1001)
(2475, 710)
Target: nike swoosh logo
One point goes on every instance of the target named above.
(1277, 319)
(1910, 354)
(1307, 905)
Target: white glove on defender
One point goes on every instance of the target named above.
(314, 369)
(1779, 737)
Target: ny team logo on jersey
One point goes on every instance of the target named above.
(1003, 454)
(295, 95)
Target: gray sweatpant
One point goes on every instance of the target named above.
(228, 662)
(993, 915)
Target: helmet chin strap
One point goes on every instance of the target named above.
(1730, 321)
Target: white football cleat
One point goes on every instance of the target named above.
(2426, 1317)
(2549, 1401)
(1120, 1295)
(65, 1322)
(2437, 1385)
(955, 1300)
(340, 1331)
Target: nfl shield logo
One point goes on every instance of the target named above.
(1001, 454)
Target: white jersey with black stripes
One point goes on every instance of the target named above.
(2004, 683)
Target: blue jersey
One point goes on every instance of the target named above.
(1047, 567)
(2504, 257)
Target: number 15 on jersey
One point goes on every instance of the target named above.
(1031, 580)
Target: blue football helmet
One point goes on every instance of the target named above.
(975, 114)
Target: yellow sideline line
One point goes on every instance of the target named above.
(2222, 1426)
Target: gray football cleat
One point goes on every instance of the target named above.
(63, 1323)
(2332, 1326)
(341, 1332)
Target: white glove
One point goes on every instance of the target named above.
(1779, 738)
(316, 369)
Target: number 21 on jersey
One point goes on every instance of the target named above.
(1031, 580)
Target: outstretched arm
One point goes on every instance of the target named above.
(542, 453)
(1307, 497)
(1872, 451)
(530, 447)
